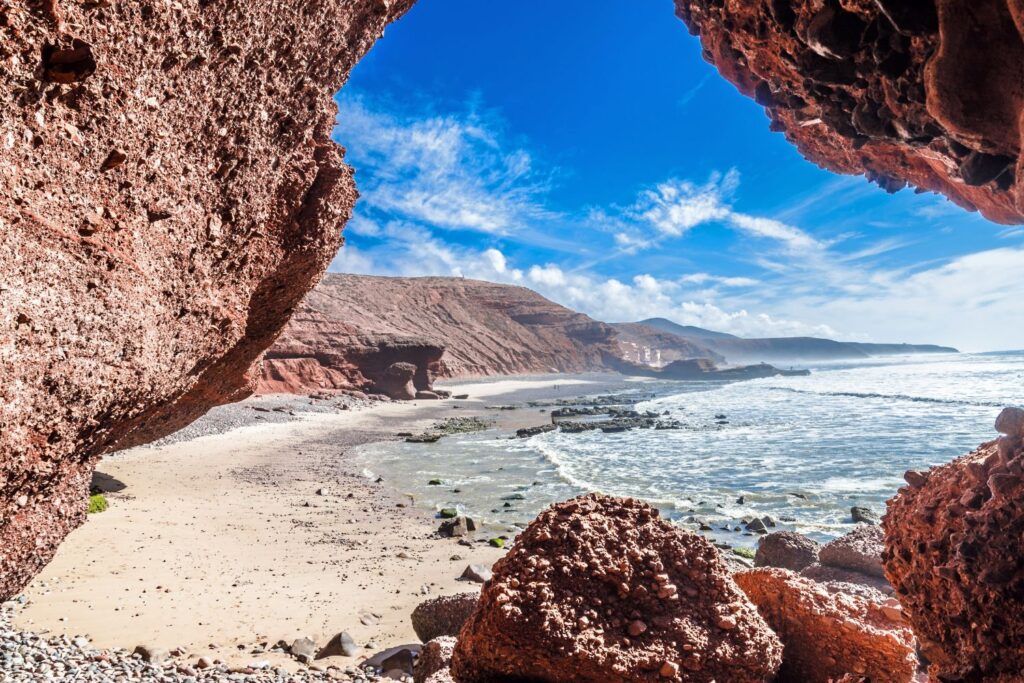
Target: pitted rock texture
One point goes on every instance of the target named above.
(786, 550)
(443, 616)
(351, 327)
(434, 660)
(168, 193)
(824, 573)
(923, 92)
(829, 635)
(953, 554)
(858, 551)
(601, 590)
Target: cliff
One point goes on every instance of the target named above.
(351, 326)
(168, 193)
(925, 93)
(781, 349)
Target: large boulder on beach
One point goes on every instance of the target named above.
(786, 550)
(396, 382)
(953, 553)
(443, 616)
(602, 590)
(828, 635)
(858, 551)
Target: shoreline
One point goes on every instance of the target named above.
(172, 565)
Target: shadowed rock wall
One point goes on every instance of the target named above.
(168, 193)
(921, 92)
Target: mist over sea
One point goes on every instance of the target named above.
(802, 449)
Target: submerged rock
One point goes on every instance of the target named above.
(953, 554)
(827, 636)
(602, 590)
(786, 550)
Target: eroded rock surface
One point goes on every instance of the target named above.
(858, 551)
(602, 590)
(786, 550)
(351, 327)
(168, 193)
(953, 554)
(443, 616)
(926, 93)
(829, 635)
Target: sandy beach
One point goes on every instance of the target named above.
(220, 543)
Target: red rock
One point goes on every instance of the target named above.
(786, 550)
(827, 636)
(351, 328)
(169, 192)
(902, 92)
(434, 660)
(952, 552)
(562, 605)
(858, 551)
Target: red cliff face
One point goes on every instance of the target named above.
(168, 193)
(352, 327)
(921, 92)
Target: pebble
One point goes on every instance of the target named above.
(27, 658)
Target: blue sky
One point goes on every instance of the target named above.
(586, 150)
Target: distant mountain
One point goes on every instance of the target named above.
(777, 349)
(649, 345)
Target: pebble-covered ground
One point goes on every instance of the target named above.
(27, 657)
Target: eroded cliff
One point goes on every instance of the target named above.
(923, 92)
(351, 327)
(168, 193)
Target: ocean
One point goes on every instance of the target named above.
(800, 450)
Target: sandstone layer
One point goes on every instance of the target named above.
(953, 553)
(925, 92)
(351, 327)
(602, 590)
(829, 635)
(168, 193)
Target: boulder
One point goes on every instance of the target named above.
(827, 636)
(435, 658)
(786, 550)
(168, 197)
(396, 382)
(443, 616)
(824, 573)
(601, 589)
(341, 645)
(477, 573)
(862, 515)
(457, 527)
(858, 551)
(425, 395)
(953, 555)
(303, 649)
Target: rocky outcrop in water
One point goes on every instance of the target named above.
(826, 635)
(602, 590)
(922, 92)
(953, 554)
(349, 322)
(168, 193)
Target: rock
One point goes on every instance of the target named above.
(477, 573)
(401, 658)
(435, 657)
(189, 231)
(884, 88)
(427, 396)
(303, 649)
(341, 645)
(396, 382)
(956, 573)
(561, 603)
(443, 616)
(858, 551)
(457, 527)
(863, 515)
(460, 397)
(827, 636)
(204, 662)
(497, 542)
(449, 513)
(824, 574)
(527, 432)
(1011, 422)
(786, 550)
(152, 655)
(757, 526)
